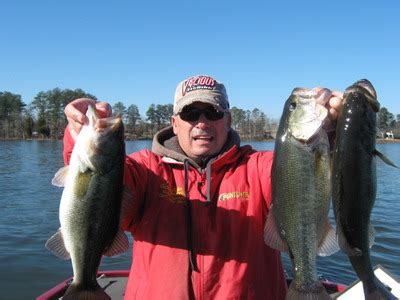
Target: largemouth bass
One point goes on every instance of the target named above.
(354, 182)
(298, 221)
(91, 203)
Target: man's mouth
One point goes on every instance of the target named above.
(205, 138)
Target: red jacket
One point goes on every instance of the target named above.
(222, 226)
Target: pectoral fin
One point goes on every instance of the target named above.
(384, 158)
(272, 236)
(371, 235)
(344, 244)
(119, 245)
(329, 244)
(56, 245)
(60, 176)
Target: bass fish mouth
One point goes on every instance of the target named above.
(103, 124)
(108, 124)
(366, 84)
(364, 87)
(321, 95)
(307, 112)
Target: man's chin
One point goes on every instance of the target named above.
(205, 154)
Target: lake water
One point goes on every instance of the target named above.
(29, 216)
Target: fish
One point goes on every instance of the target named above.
(354, 183)
(301, 185)
(90, 204)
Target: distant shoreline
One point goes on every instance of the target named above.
(388, 141)
(378, 140)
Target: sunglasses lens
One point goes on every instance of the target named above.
(213, 115)
(190, 115)
(193, 114)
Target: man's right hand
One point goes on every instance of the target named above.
(75, 112)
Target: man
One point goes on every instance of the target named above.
(199, 202)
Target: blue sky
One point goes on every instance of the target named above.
(137, 51)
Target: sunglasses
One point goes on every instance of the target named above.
(192, 114)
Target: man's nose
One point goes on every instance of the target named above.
(202, 122)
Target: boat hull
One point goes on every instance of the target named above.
(113, 283)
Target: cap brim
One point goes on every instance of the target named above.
(195, 98)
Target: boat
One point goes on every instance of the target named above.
(355, 290)
(114, 282)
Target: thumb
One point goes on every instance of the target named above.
(103, 109)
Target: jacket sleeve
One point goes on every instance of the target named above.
(68, 146)
(264, 170)
(135, 183)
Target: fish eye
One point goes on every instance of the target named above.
(292, 105)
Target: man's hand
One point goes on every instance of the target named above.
(75, 112)
(335, 105)
(333, 101)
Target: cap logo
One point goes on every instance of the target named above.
(197, 83)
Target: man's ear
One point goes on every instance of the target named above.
(229, 119)
(173, 123)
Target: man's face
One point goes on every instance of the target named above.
(202, 137)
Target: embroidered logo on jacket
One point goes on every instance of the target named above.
(238, 195)
(176, 196)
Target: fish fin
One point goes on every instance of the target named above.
(314, 292)
(329, 243)
(384, 158)
(371, 235)
(79, 292)
(272, 237)
(378, 290)
(344, 245)
(60, 176)
(56, 245)
(119, 245)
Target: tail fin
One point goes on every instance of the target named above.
(78, 292)
(315, 292)
(378, 291)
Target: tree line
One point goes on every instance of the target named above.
(44, 117)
